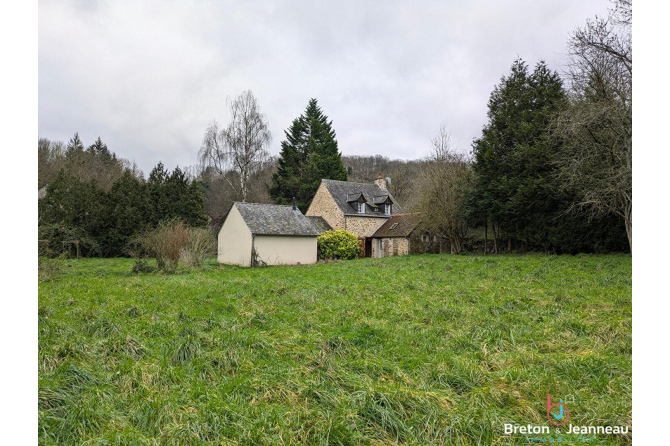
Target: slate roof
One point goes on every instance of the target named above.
(354, 197)
(406, 223)
(273, 219)
(342, 191)
(320, 224)
(381, 199)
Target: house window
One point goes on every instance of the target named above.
(361, 208)
(387, 209)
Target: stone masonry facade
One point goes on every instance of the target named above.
(324, 206)
(391, 246)
(362, 226)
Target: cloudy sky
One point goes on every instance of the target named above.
(148, 76)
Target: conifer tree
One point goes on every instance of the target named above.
(193, 206)
(308, 155)
(159, 203)
(75, 144)
(74, 211)
(128, 212)
(516, 189)
(174, 197)
(513, 156)
(99, 149)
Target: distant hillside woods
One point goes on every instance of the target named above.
(94, 162)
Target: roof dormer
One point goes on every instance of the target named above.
(364, 199)
(382, 199)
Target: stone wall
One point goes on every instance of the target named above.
(391, 246)
(324, 206)
(397, 246)
(381, 182)
(363, 226)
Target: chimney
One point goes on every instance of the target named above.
(380, 181)
(294, 208)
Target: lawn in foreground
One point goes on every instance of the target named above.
(432, 349)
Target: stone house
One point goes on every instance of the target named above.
(363, 209)
(254, 234)
(396, 236)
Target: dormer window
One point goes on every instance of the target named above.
(384, 202)
(361, 208)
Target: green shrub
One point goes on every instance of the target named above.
(59, 238)
(338, 244)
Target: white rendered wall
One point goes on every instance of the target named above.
(234, 245)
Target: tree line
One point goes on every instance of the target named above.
(89, 211)
(551, 171)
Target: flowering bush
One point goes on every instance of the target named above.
(338, 244)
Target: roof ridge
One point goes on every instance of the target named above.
(262, 204)
(275, 219)
(353, 182)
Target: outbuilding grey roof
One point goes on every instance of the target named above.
(273, 219)
(319, 224)
(342, 191)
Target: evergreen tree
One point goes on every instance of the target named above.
(159, 204)
(129, 212)
(193, 205)
(175, 190)
(513, 156)
(308, 155)
(99, 150)
(75, 144)
(516, 190)
(74, 213)
(174, 197)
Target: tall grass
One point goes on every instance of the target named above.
(199, 246)
(173, 242)
(419, 350)
(48, 268)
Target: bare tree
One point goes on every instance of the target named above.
(50, 158)
(240, 147)
(596, 125)
(443, 173)
(94, 163)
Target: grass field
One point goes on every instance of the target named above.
(432, 349)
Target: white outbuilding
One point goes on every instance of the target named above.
(254, 234)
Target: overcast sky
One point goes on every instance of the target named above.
(149, 76)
